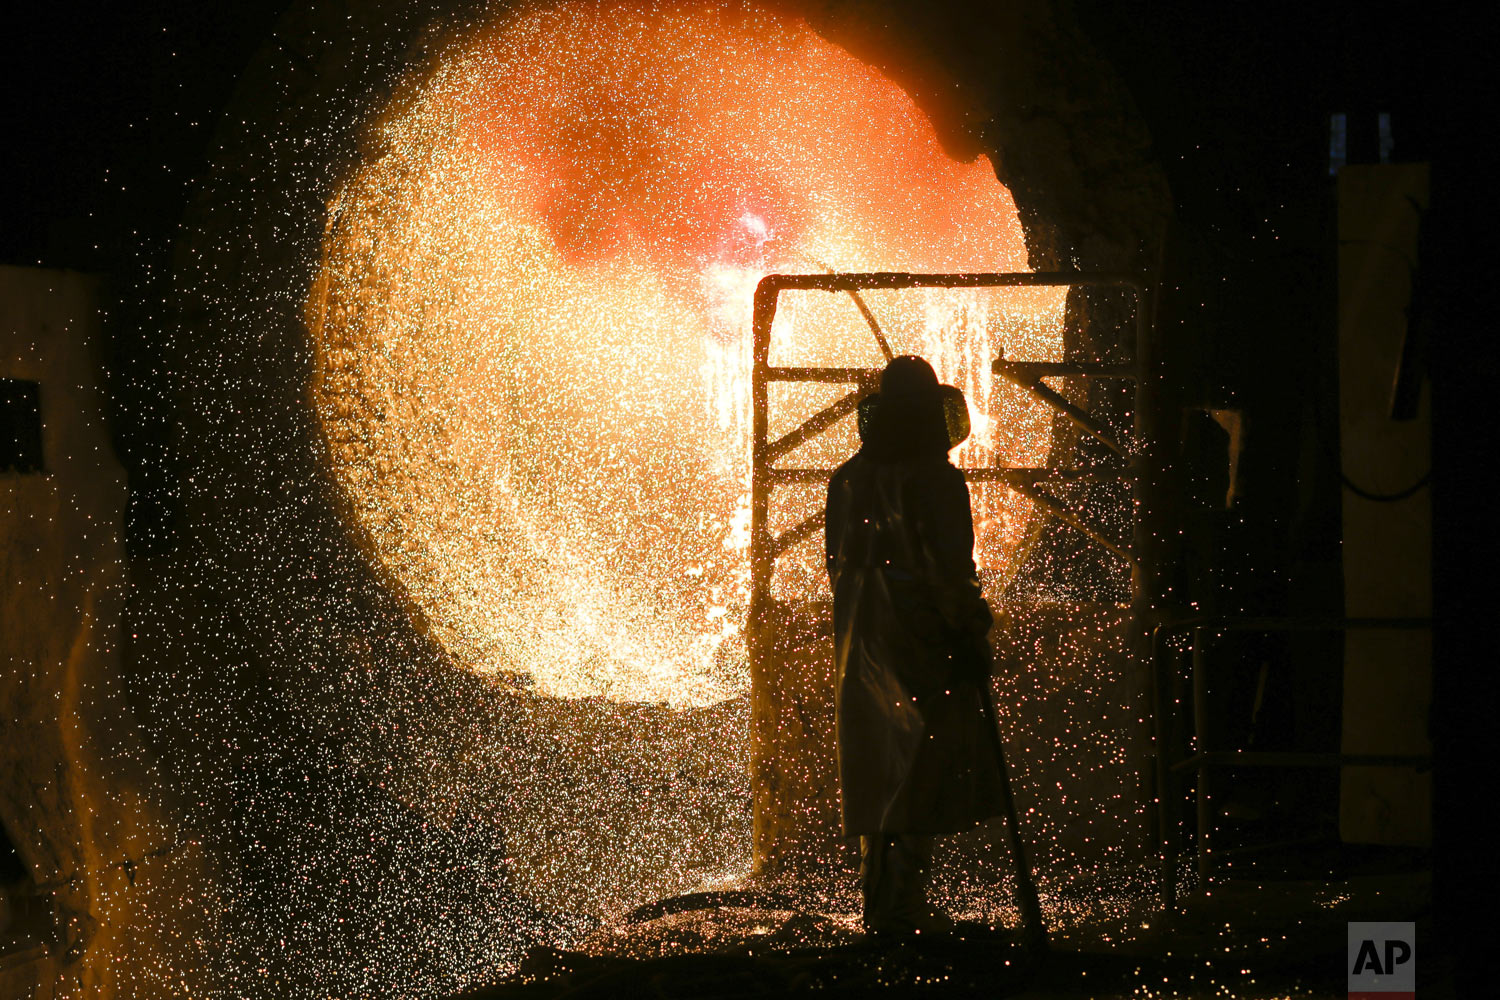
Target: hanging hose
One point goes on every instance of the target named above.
(859, 302)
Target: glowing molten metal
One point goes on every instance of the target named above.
(532, 325)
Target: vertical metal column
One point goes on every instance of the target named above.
(761, 557)
(759, 639)
(1162, 696)
(1201, 789)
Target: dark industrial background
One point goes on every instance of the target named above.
(110, 118)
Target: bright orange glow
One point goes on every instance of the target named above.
(532, 328)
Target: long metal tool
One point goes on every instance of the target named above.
(1026, 894)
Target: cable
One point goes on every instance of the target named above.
(864, 310)
(1363, 493)
(1333, 458)
(1412, 269)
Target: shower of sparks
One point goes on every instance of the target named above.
(531, 330)
(533, 320)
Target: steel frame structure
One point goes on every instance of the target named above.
(1202, 632)
(1028, 375)
(765, 477)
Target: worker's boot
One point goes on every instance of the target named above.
(893, 875)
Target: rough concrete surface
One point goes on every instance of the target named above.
(109, 872)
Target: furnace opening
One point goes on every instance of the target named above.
(531, 324)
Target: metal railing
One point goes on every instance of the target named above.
(1028, 375)
(1165, 684)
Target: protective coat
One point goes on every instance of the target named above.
(914, 752)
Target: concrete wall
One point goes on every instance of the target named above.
(107, 906)
(1387, 542)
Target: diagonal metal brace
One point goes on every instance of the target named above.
(797, 533)
(812, 426)
(1060, 510)
(1028, 375)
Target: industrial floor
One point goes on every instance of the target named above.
(1278, 929)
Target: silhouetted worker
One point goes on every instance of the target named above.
(910, 653)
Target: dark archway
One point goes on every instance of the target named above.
(271, 652)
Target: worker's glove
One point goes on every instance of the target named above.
(981, 618)
(973, 661)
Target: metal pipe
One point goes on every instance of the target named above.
(1227, 623)
(1028, 375)
(762, 314)
(859, 303)
(1091, 425)
(862, 375)
(1166, 782)
(760, 621)
(1258, 758)
(813, 426)
(1060, 511)
(906, 279)
(1032, 371)
(1200, 725)
(989, 474)
(802, 530)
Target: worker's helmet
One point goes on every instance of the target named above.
(910, 376)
